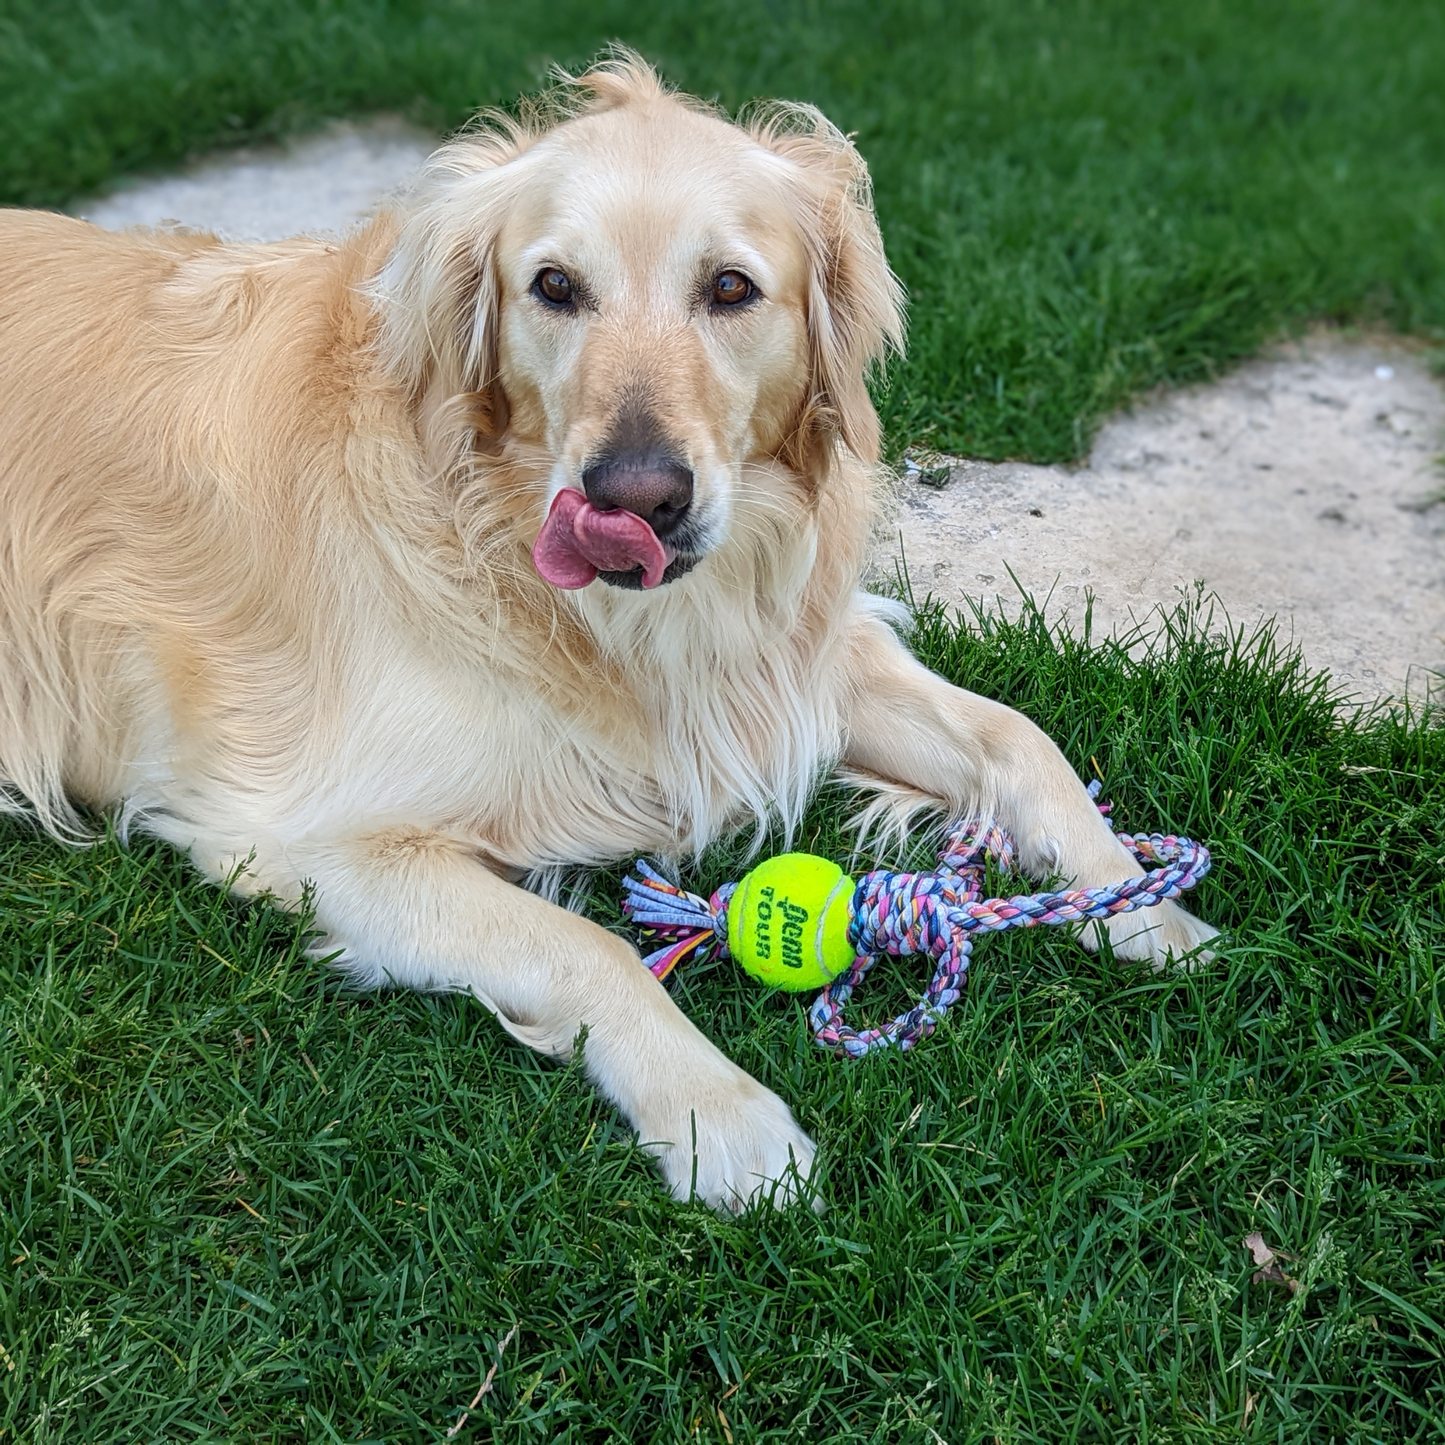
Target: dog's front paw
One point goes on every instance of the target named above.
(1164, 936)
(729, 1141)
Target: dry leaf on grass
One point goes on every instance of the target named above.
(1268, 1259)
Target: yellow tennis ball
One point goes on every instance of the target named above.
(788, 922)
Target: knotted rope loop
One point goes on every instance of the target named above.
(937, 913)
(907, 913)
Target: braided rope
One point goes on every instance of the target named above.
(938, 913)
(902, 914)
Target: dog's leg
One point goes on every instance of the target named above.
(907, 725)
(420, 910)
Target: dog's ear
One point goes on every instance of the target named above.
(855, 303)
(438, 293)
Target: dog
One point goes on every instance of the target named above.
(521, 528)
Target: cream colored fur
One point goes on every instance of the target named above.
(265, 583)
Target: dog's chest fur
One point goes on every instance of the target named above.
(662, 750)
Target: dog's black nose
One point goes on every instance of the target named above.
(653, 485)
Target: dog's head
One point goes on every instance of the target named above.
(670, 315)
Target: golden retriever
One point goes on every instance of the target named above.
(521, 528)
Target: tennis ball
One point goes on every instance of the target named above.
(788, 922)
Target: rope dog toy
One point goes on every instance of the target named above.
(798, 922)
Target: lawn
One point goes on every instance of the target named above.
(240, 1203)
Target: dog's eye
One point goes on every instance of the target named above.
(731, 288)
(554, 286)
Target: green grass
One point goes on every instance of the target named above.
(1083, 198)
(239, 1203)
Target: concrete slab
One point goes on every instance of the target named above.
(323, 182)
(1306, 485)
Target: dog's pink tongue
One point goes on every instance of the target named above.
(555, 554)
(577, 542)
(618, 542)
